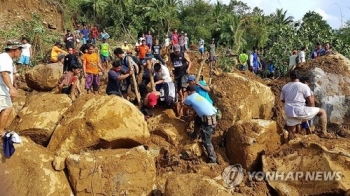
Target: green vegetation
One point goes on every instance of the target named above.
(236, 25)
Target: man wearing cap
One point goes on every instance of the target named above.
(201, 87)
(151, 99)
(294, 95)
(205, 118)
(57, 53)
(8, 92)
(182, 64)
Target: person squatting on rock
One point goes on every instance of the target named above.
(8, 91)
(69, 82)
(205, 119)
(91, 64)
(294, 95)
(115, 76)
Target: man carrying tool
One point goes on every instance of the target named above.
(205, 118)
(118, 52)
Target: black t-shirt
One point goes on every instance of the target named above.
(69, 60)
(69, 40)
(180, 63)
(156, 49)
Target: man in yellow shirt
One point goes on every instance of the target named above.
(125, 47)
(57, 53)
(243, 58)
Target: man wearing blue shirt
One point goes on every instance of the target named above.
(201, 88)
(115, 76)
(206, 116)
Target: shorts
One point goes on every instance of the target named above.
(201, 50)
(312, 112)
(5, 102)
(67, 89)
(92, 80)
(181, 81)
(24, 60)
(212, 58)
(182, 48)
(104, 58)
(305, 124)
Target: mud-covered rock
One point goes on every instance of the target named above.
(40, 116)
(96, 121)
(246, 141)
(29, 172)
(18, 104)
(241, 98)
(315, 167)
(109, 172)
(44, 77)
(195, 185)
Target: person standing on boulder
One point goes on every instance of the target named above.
(91, 64)
(182, 65)
(205, 117)
(8, 92)
(294, 95)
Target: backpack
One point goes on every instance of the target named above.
(168, 94)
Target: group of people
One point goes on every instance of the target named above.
(300, 57)
(141, 65)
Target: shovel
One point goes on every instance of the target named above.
(138, 97)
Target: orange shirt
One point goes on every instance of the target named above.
(91, 62)
(142, 51)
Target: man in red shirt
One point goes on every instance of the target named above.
(143, 49)
(94, 35)
(175, 37)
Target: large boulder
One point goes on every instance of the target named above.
(246, 141)
(195, 185)
(96, 121)
(241, 98)
(311, 166)
(29, 172)
(112, 172)
(44, 77)
(40, 116)
(330, 81)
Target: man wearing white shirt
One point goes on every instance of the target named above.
(8, 92)
(302, 54)
(162, 75)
